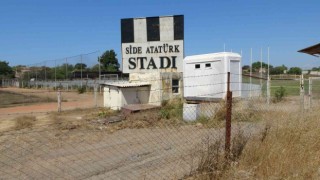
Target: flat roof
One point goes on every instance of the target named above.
(312, 50)
(211, 56)
(127, 84)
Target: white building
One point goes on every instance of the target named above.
(143, 88)
(152, 54)
(205, 75)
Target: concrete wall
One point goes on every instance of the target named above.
(115, 98)
(166, 82)
(135, 95)
(155, 88)
(161, 85)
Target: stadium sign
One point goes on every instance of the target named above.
(152, 44)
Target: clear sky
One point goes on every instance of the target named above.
(37, 30)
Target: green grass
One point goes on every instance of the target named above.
(292, 87)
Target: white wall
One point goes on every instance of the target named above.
(112, 97)
(135, 95)
(204, 82)
(212, 81)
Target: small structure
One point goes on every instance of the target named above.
(205, 76)
(142, 89)
(205, 82)
(116, 95)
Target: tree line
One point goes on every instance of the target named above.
(256, 67)
(107, 62)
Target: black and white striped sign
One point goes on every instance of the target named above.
(152, 44)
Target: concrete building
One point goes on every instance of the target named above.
(152, 55)
(143, 88)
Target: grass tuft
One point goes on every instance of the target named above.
(23, 122)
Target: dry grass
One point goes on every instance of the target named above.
(23, 122)
(211, 160)
(288, 148)
(9, 99)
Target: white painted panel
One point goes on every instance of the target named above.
(115, 98)
(106, 97)
(138, 57)
(140, 30)
(166, 29)
(212, 81)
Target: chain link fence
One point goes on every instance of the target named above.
(92, 142)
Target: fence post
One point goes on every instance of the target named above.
(95, 88)
(310, 92)
(228, 119)
(268, 90)
(301, 93)
(59, 100)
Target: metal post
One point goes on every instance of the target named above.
(310, 92)
(268, 91)
(250, 72)
(268, 81)
(45, 71)
(81, 68)
(261, 67)
(66, 68)
(95, 95)
(302, 92)
(36, 79)
(59, 100)
(228, 119)
(55, 74)
(99, 69)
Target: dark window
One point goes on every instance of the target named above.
(153, 29)
(175, 85)
(127, 32)
(178, 22)
(197, 66)
(208, 65)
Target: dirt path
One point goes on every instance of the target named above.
(70, 100)
(149, 153)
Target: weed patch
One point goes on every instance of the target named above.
(23, 122)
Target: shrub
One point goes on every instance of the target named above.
(164, 113)
(81, 90)
(23, 122)
(171, 109)
(279, 94)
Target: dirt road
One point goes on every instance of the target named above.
(70, 100)
(149, 153)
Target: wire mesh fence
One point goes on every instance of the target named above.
(178, 139)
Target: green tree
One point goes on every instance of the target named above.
(109, 61)
(6, 70)
(295, 70)
(256, 65)
(278, 70)
(79, 66)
